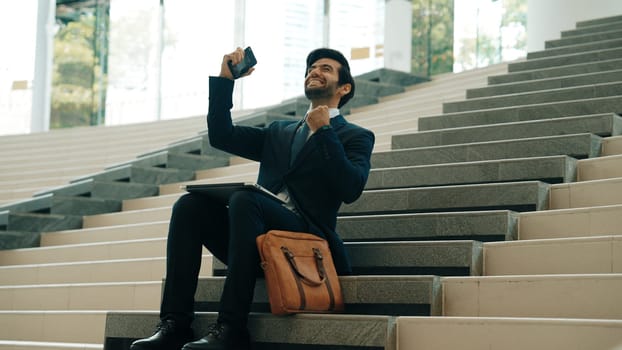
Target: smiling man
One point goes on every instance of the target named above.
(314, 165)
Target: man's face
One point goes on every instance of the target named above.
(322, 79)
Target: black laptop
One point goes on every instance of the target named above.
(222, 191)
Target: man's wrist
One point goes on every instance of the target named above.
(324, 127)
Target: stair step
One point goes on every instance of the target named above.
(605, 124)
(550, 296)
(53, 326)
(576, 145)
(588, 255)
(310, 331)
(18, 239)
(458, 258)
(592, 29)
(29, 345)
(574, 47)
(156, 229)
(553, 169)
(545, 84)
(599, 168)
(586, 194)
(612, 146)
(565, 60)
(480, 225)
(556, 72)
(137, 174)
(96, 189)
(584, 38)
(363, 295)
(64, 205)
(518, 196)
(476, 333)
(530, 98)
(522, 113)
(32, 222)
(89, 296)
(599, 21)
(163, 200)
(174, 160)
(103, 271)
(145, 248)
(576, 222)
(129, 217)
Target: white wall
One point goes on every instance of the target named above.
(546, 19)
(397, 35)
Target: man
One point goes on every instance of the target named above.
(330, 167)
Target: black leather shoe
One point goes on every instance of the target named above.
(221, 336)
(168, 336)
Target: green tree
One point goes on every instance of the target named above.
(490, 47)
(78, 69)
(432, 36)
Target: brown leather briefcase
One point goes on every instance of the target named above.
(300, 274)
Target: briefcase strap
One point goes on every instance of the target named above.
(299, 277)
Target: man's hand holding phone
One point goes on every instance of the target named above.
(238, 64)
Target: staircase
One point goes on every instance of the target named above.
(487, 222)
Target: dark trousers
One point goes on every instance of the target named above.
(229, 234)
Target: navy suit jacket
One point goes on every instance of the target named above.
(331, 168)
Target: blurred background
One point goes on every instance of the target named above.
(68, 63)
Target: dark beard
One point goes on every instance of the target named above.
(321, 93)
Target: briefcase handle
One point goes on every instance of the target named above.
(318, 260)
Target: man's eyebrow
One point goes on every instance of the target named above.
(323, 65)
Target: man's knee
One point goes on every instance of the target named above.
(184, 201)
(192, 206)
(242, 201)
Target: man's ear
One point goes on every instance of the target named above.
(345, 89)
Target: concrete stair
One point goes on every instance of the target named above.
(363, 295)
(556, 71)
(28, 345)
(77, 327)
(584, 44)
(583, 255)
(474, 333)
(493, 223)
(605, 167)
(575, 222)
(598, 124)
(589, 296)
(575, 145)
(91, 296)
(273, 332)
(537, 97)
(528, 112)
(546, 84)
(457, 257)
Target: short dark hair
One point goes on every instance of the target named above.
(345, 77)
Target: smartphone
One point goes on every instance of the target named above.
(239, 69)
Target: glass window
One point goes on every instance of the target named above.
(18, 26)
(432, 37)
(357, 30)
(488, 32)
(79, 69)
